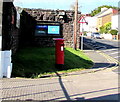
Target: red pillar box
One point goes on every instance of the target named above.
(59, 52)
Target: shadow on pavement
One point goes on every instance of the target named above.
(102, 65)
(98, 44)
(70, 97)
(106, 98)
(63, 87)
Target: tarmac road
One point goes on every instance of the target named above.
(109, 47)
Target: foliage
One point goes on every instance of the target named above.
(98, 10)
(102, 29)
(105, 28)
(85, 33)
(113, 31)
(34, 61)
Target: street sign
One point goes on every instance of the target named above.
(82, 20)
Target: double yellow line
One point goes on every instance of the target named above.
(110, 60)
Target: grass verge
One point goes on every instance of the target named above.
(35, 62)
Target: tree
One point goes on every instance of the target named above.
(113, 32)
(98, 10)
(105, 28)
(102, 29)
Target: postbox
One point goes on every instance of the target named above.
(59, 51)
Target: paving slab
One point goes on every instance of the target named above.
(92, 84)
(101, 85)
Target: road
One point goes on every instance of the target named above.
(109, 47)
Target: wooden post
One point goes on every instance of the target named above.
(75, 25)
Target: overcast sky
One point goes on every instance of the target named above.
(85, 6)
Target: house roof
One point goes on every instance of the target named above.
(106, 12)
(100, 13)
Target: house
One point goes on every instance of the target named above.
(91, 24)
(105, 16)
(115, 21)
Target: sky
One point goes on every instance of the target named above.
(85, 6)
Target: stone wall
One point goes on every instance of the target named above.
(68, 34)
(44, 41)
(65, 17)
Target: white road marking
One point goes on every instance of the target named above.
(117, 57)
(111, 50)
(113, 53)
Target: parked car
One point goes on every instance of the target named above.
(96, 35)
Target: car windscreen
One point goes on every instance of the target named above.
(97, 33)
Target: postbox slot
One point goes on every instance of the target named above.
(62, 44)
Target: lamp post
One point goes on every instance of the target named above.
(75, 25)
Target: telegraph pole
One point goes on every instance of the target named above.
(75, 25)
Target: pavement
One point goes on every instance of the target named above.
(91, 85)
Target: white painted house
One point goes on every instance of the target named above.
(91, 26)
(115, 22)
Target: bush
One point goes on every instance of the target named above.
(105, 28)
(113, 32)
(85, 33)
(102, 29)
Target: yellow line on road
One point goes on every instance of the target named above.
(110, 59)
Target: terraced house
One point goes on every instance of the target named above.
(105, 16)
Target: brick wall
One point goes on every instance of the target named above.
(118, 37)
(15, 40)
(9, 29)
(107, 18)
